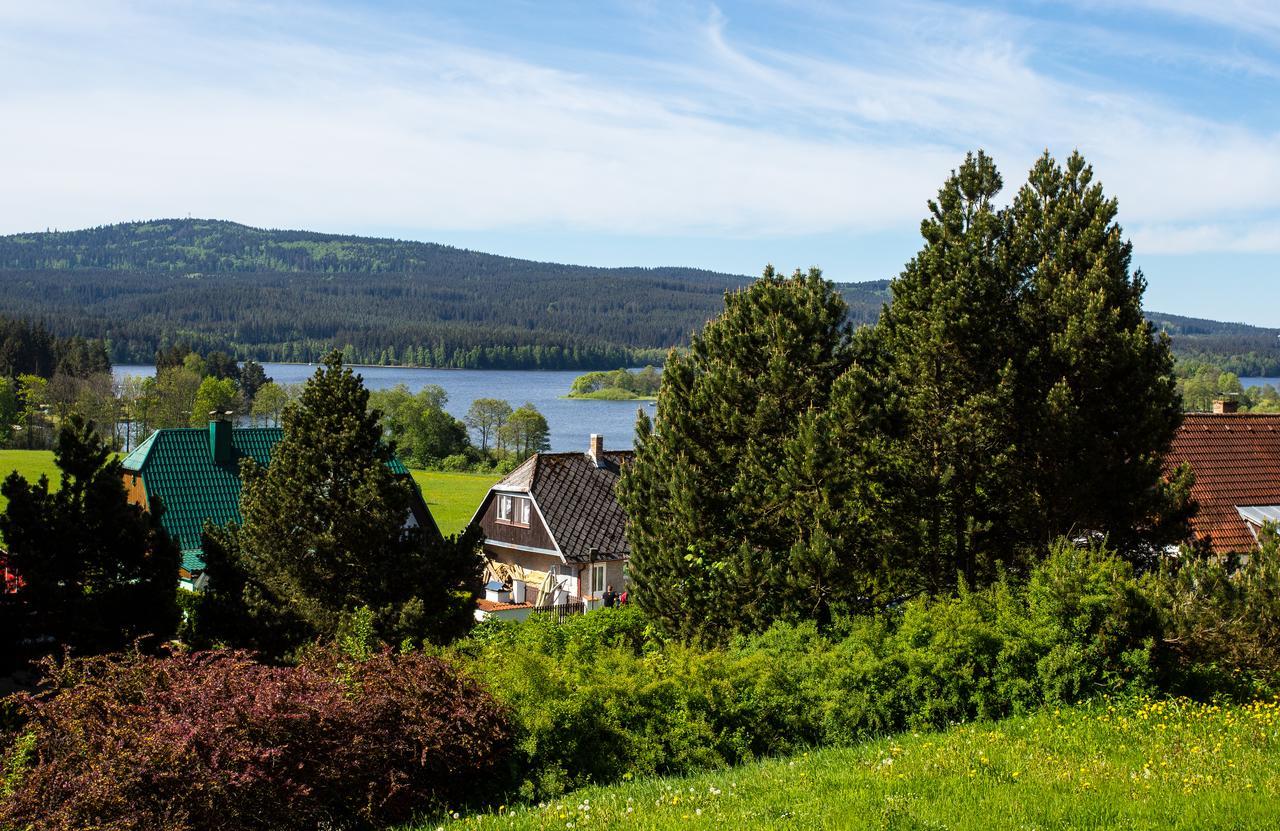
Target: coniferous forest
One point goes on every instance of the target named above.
(277, 295)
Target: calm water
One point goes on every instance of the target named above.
(571, 422)
(1257, 382)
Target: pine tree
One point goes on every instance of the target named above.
(98, 572)
(948, 346)
(324, 534)
(1098, 398)
(710, 553)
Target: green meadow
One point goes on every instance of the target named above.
(1148, 764)
(453, 497)
(30, 464)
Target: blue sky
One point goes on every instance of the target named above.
(719, 135)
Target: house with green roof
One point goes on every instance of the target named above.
(195, 473)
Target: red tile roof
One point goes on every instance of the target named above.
(493, 606)
(1236, 461)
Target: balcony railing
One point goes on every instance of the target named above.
(561, 611)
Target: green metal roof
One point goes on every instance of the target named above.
(177, 466)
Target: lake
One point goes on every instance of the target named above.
(1258, 382)
(571, 421)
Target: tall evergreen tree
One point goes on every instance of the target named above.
(324, 533)
(709, 553)
(1098, 404)
(947, 345)
(98, 572)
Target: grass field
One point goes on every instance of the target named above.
(29, 463)
(452, 497)
(1146, 765)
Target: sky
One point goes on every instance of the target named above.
(717, 135)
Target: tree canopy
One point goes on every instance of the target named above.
(98, 572)
(327, 529)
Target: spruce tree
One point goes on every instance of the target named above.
(324, 534)
(1098, 404)
(712, 548)
(947, 348)
(98, 572)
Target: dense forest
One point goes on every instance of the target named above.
(293, 295)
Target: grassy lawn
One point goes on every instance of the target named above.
(29, 463)
(453, 497)
(1148, 765)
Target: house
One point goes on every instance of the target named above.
(554, 534)
(1236, 461)
(195, 473)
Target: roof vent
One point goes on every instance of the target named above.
(596, 449)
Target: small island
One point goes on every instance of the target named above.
(617, 385)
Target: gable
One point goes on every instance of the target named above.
(535, 536)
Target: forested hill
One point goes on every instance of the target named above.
(293, 295)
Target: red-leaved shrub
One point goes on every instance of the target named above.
(216, 740)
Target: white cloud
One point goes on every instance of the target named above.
(288, 117)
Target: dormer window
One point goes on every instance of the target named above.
(514, 510)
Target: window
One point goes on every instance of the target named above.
(514, 510)
(598, 578)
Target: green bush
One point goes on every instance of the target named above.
(604, 697)
(1221, 620)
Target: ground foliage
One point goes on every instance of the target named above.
(1114, 763)
(606, 697)
(188, 742)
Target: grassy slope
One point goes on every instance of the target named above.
(453, 497)
(1157, 765)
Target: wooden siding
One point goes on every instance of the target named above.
(535, 536)
(135, 489)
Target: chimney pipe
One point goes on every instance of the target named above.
(219, 439)
(596, 449)
(1225, 406)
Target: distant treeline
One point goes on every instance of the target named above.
(294, 295)
(28, 348)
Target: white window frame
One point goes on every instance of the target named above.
(514, 510)
(600, 570)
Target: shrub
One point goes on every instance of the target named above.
(1221, 619)
(217, 740)
(602, 697)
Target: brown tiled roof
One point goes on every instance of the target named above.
(1236, 461)
(577, 499)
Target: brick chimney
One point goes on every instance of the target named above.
(596, 449)
(1226, 405)
(220, 438)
